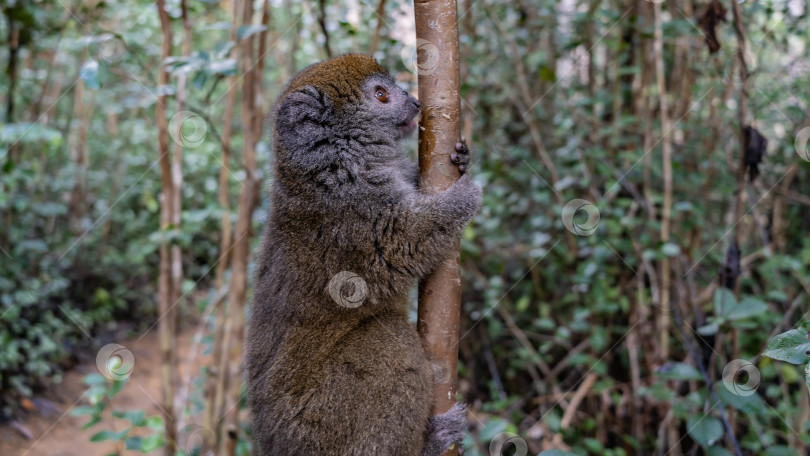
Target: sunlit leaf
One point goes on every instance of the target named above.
(791, 346)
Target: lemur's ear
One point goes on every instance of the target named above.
(302, 126)
(304, 111)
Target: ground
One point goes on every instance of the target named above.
(55, 432)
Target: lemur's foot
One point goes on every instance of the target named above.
(445, 430)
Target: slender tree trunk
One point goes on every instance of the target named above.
(742, 111)
(50, 57)
(440, 293)
(292, 66)
(258, 72)
(375, 39)
(644, 107)
(11, 66)
(666, 151)
(77, 143)
(166, 322)
(181, 392)
(322, 22)
(241, 248)
(215, 385)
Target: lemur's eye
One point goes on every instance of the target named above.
(381, 94)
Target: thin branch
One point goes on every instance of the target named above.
(666, 150)
(322, 23)
(375, 39)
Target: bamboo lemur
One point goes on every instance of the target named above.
(334, 366)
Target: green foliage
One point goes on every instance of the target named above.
(102, 391)
(728, 310)
(792, 347)
(78, 247)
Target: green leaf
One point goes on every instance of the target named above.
(200, 79)
(717, 451)
(679, 371)
(120, 435)
(710, 329)
(791, 346)
(556, 453)
(83, 410)
(723, 300)
(96, 394)
(94, 379)
(93, 421)
(246, 31)
(135, 417)
(593, 446)
(116, 387)
(522, 304)
(222, 48)
(493, 428)
(748, 307)
(133, 442)
(155, 422)
(781, 450)
(151, 443)
(741, 397)
(547, 74)
(101, 436)
(669, 249)
(704, 429)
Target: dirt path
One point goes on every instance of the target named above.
(58, 433)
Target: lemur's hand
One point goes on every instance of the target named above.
(462, 155)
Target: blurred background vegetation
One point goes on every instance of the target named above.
(682, 123)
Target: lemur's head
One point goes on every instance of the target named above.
(345, 92)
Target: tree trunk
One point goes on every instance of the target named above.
(439, 294)
(166, 320)
(248, 199)
(666, 151)
(215, 384)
